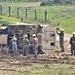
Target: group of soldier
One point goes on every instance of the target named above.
(26, 44)
(61, 40)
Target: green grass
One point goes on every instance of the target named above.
(8, 20)
(5, 22)
(41, 69)
(64, 15)
(23, 4)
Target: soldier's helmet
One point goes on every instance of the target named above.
(33, 35)
(73, 33)
(15, 39)
(62, 29)
(25, 36)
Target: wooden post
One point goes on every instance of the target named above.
(9, 11)
(26, 13)
(45, 16)
(17, 12)
(1, 9)
(35, 15)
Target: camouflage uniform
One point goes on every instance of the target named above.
(14, 48)
(61, 38)
(25, 46)
(35, 45)
(72, 42)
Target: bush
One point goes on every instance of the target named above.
(46, 3)
(43, 4)
(52, 2)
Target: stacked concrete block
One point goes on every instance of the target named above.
(48, 39)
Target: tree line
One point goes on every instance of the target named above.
(19, 0)
(61, 2)
(44, 2)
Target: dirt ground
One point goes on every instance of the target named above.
(10, 63)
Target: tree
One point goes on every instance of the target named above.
(56, 1)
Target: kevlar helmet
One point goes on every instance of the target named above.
(62, 29)
(15, 39)
(25, 36)
(73, 33)
(33, 34)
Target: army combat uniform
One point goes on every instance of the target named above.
(61, 39)
(25, 46)
(35, 45)
(72, 42)
(14, 47)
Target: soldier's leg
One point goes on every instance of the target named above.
(27, 50)
(74, 52)
(62, 47)
(71, 51)
(15, 53)
(24, 51)
(34, 51)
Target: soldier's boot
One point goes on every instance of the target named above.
(74, 52)
(35, 56)
(24, 54)
(71, 52)
(62, 50)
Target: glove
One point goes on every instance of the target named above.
(57, 28)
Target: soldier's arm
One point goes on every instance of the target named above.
(28, 42)
(58, 31)
(16, 46)
(37, 41)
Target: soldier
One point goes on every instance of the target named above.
(39, 50)
(72, 42)
(39, 28)
(61, 38)
(34, 44)
(14, 46)
(25, 45)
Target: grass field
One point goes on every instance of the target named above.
(41, 69)
(8, 20)
(62, 16)
(57, 16)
